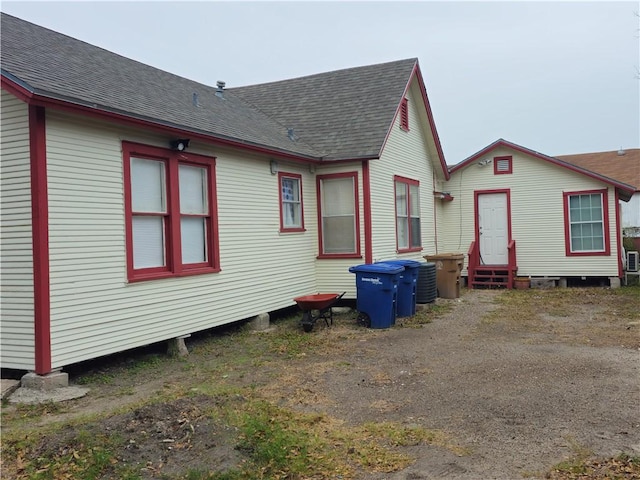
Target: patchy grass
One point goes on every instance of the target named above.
(611, 317)
(616, 468)
(272, 442)
(238, 390)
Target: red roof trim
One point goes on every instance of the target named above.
(436, 138)
(96, 112)
(503, 143)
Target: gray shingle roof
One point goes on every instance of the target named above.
(345, 113)
(335, 115)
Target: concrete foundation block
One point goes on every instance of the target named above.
(562, 283)
(260, 322)
(614, 282)
(50, 381)
(177, 348)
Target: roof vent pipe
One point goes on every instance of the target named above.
(621, 152)
(219, 92)
(195, 100)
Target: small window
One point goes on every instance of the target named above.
(408, 233)
(404, 114)
(338, 215)
(291, 211)
(502, 165)
(586, 223)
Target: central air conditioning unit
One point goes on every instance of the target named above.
(632, 262)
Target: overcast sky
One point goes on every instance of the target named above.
(556, 77)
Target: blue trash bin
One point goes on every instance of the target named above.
(407, 286)
(377, 293)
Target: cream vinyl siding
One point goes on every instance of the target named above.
(95, 311)
(405, 154)
(537, 215)
(16, 259)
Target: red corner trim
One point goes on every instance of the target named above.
(40, 239)
(618, 235)
(366, 194)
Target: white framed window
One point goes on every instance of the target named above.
(586, 223)
(291, 208)
(338, 215)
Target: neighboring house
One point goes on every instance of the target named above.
(139, 206)
(624, 166)
(519, 212)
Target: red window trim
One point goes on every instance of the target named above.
(356, 206)
(495, 165)
(298, 177)
(173, 252)
(409, 182)
(605, 223)
(404, 114)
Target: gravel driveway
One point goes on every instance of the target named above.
(517, 402)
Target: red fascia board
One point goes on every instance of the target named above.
(42, 100)
(436, 138)
(423, 90)
(503, 143)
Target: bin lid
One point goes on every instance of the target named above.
(404, 262)
(377, 268)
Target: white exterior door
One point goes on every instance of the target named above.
(493, 228)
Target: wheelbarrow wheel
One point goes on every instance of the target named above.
(364, 320)
(307, 322)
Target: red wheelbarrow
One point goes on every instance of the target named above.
(321, 304)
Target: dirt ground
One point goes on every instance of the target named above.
(514, 396)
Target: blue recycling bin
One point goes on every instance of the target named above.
(377, 292)
(407, 286)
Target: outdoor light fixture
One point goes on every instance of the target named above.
(180, 144)
(273, 165)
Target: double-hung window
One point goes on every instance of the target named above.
(586, 223)
(338, 219)
(291, 211)
(170, 213)
(408, 235)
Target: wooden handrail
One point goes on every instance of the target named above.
(474, 260)
(513, 266)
